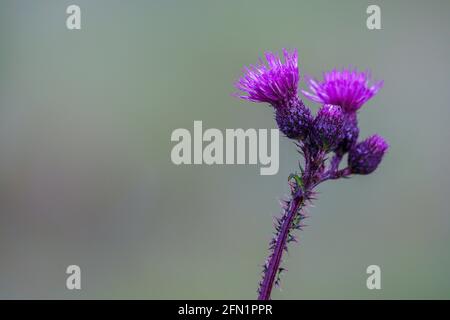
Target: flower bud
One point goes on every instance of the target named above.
(326, 132)
(365, 156)
(294, 119)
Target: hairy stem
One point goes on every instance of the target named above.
(273, 266)
(302, 188)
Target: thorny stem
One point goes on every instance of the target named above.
(299, 197)
(275, 259)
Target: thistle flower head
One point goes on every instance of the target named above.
(275, 82)
(346, 88)
(326, 131)
(294, 120)
(365, 156)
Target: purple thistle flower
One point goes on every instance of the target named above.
(365, 157)
(294, 119)
(275, 83)
(346, 88)
(326, 131)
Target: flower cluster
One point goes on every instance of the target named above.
(333, 130)
(335, 127)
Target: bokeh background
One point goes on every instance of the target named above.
(85, 171)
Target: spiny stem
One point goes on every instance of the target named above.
(302, 188)
(280, 244)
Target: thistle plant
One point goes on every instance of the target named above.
(322, 140)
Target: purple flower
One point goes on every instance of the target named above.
(294, 119)
(326, 131)
(275, 83)
(365, 156)
(346, 88)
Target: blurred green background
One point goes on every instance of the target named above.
(85, 171)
